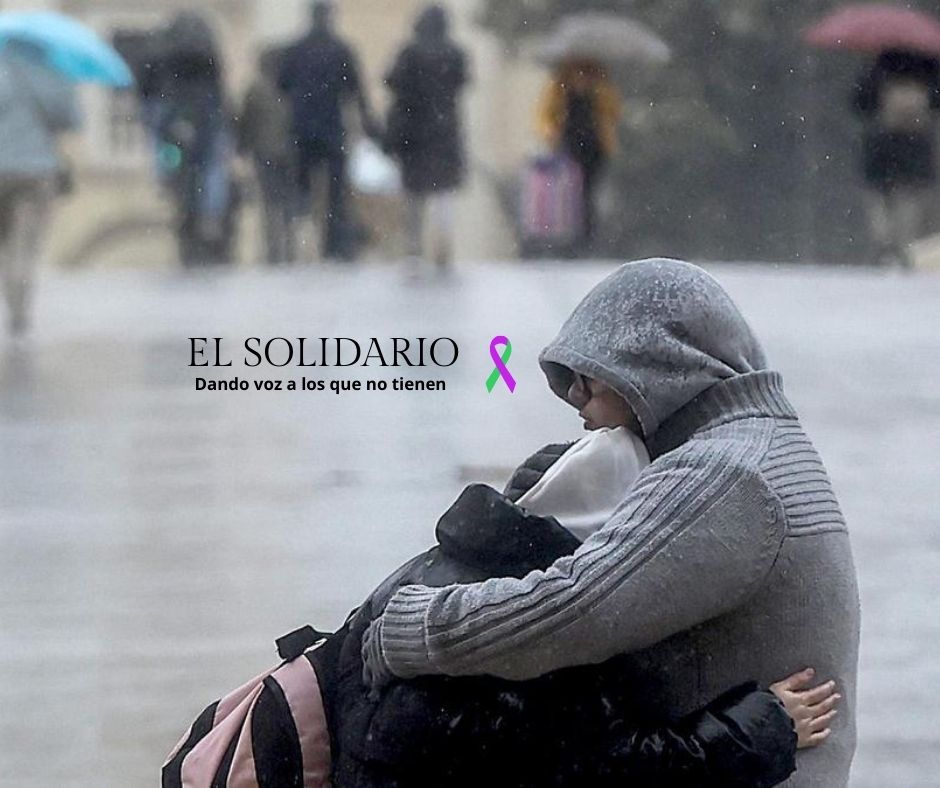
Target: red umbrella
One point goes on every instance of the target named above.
(876, 27)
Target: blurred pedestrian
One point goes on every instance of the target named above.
(265, 135)
(179, 77)
(320, 75)
(898, 97)
(577, 116)
(36, 105)
(424, 129)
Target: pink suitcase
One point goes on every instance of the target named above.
(552, 209)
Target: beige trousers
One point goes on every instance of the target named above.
(897, 220)
(25, 210)
(431, 226)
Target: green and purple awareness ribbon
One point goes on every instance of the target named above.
(501, 370)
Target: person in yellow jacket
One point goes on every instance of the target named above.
(578, 115)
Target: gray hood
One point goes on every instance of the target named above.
(659, 332)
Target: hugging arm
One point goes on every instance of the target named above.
(577, 727)
(696, 537)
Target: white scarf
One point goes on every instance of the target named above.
(590, 480)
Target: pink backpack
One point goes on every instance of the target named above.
(270, 733)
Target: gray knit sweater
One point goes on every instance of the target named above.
(728, 560)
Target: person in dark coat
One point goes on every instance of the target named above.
(265, 135)
(898, 97)
(576, 727)
(573, 727)
(179, 78)
(424, 128)
(320, 75)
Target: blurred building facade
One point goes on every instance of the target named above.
(116, 214)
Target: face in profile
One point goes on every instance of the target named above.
(599, 405)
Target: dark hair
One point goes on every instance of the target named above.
(892, 64)
(908, 64)
(321, 12)
(432, 23)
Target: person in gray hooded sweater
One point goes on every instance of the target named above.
(728, 559)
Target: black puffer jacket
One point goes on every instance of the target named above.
(571, 728)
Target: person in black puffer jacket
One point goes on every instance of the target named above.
(570, 728)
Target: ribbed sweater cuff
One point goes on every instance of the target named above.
(405, 631)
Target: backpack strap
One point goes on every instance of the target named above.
(295, 643)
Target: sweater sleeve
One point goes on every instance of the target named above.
(695, 537)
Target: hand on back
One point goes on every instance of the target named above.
(812, 708)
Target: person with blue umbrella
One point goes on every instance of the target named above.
(42, 55)
(36, 105)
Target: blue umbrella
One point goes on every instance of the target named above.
(70, 47)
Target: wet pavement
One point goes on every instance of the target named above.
(154, 539)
